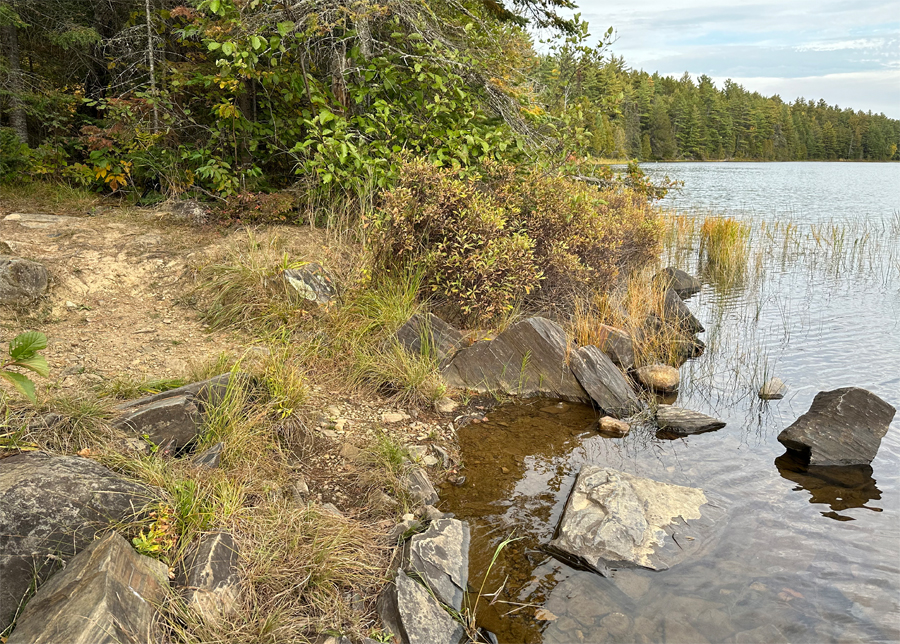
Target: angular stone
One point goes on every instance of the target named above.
(21, 281)
(414, 616)
(616, 519)
(528, 359)
(190, 210)
(312, 282)
(420, 488)
(390, 417)
(604, 382)
(106, 595)
(616, 344)
(676, 279)
(175, 421)
(688, 347)
(209, 458)
(677, 313)
(842, 427)
(51, 508)
(208, 393)
(609, 426)
(773, 389)
(440, 555)
(659, 377)
(445, 406)
(210, 576)
(428, 335)
(685, 422)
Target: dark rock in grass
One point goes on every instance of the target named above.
(440, 555)
(107, 594)
(420, 488)
(21, 281)
(676, 313)
(528, 359)
(842, 427)
(428, 335)
(688, 347)
(51, 508)
(659, 378)
(207, 393)
(604, 382)
(312, 282)
(684, 422)
(209, 458)
(409, 611)
(613, 519)
(210, 576)
(676, 279)
(773, 389)
(617, 345)
(171, 421)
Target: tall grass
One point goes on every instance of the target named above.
(724, 250)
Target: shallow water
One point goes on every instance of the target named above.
(801, 556)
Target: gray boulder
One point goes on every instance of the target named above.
(106, 595)
(440, 555)
(842, 427)
(419, 487)
(312, 282)
(528, 359)
(21, 281)
(52, 508)
(613, 519)
(676, 313)
(427, 334)
(210, 580)
(174, 422)
(617, 344)
(207, 393)
(604, 382)
(685, 422)
(209, 458)
(676, 279)
(415, 617)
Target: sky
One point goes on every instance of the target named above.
(847, 53)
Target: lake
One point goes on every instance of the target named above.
(797, 558)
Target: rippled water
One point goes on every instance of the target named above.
(802, 556)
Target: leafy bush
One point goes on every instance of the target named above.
(489, 242)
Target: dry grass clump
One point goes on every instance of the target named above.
(63, 424)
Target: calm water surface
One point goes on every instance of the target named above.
(801, 556)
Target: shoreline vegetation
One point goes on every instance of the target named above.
(405, 159)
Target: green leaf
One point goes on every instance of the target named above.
(37, 364)
(27, 344)
(214, 5)
(227, 48)
(20, 382)
(213, 46)
(284, 27)
(256, 42)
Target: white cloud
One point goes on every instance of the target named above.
(859, 43)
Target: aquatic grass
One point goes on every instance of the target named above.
(724, 250)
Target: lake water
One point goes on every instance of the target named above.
(798, 557)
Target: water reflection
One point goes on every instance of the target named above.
(841, 488)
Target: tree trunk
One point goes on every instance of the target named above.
(17, 114)
(151, 57)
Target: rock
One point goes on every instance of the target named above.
(445, 406)
(351, 452)
(300, 489)
(609, 426)
(615, 519)
(407, 526)
(431, 513)
(332, 509)
(107, 594)
(773, 389)
(429, 461)
(21, 280)
(170, 420)
(688, 347)
(209, 458)
(617, 344)
(677, 280)
(207, 393)
(676, 312)
(419, 487)
(414, 616)
(684, 422)
(842, 427)
(603, 381)
(528, 359)
(312, 282)
(427, 334)
(51, 508)
(417, 452)
(210, 576)
(440, 555)
(190, 210)
(33, 220)
(389, 418)
(659, 377)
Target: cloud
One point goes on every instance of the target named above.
(859, 43)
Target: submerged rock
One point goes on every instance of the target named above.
(312, 282)
(842, 427)
(528, 359)
(685, 422)
(676, 279)
(773, 389)
(617, 345)
(429, 335)
(52, 506)
(660, 378)
(604, 382)
(440, 555)
(415, 617)
(609, 426)
(615, 519)
(106, 595)
(21, 281)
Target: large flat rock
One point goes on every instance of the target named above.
(440, 555)
(684, 284)
(614, 519)
(52, 506)
(604, 382)
(415, 617)
(685, 422)
(427, 334)
(528, 359)
(106, 595)
(175, 421)
(842, 427)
